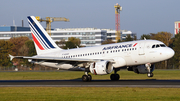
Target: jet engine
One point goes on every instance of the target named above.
(101, 67)
(141, 69)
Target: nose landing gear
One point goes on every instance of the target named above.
(149, 74)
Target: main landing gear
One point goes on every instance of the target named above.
(86, 77)
(115, 76)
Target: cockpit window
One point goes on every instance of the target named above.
(158, 45)
(162, 45)
(153, 46)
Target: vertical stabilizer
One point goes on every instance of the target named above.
(43, 42)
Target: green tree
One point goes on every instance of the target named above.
(108, 41)
(31, 48)
(74, 40)
(61, 43)
(18, 43)
(119, 41)
(19, 49)
(28, 49)
(147, 36)
(24, 50)
(165, 37)
(5, 49)
(135, 37)
(152, 35)
(72, 43)
(128, 38)
(177, 50)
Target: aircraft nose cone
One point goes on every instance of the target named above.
(170, 53)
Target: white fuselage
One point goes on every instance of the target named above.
(123, 54)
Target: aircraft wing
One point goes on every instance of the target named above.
(58, 59)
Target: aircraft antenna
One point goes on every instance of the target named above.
(144, 38)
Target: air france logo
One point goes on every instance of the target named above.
(119, 46)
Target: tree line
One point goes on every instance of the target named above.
(20, 46)
(23, 46)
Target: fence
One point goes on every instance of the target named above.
(22, 68)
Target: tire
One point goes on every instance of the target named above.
(89, 77)
(117, 77)
(114, 77)
(85, 78)
(150, 75)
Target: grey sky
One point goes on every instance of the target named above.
(139, 16)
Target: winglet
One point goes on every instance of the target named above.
(11, 57)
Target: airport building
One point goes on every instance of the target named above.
(13, 28)
(111, 34)
(88, 36)
(7, 32)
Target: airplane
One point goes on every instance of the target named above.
(138, 56)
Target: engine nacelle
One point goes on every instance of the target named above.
(141, 69)
(101, 67)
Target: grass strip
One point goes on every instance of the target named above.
(74, 75)
(88, 94)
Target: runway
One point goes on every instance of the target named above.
(93, 83)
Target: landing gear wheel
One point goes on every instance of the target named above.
(85, 78)
(89, 77)
(114, 77)
(150, 74)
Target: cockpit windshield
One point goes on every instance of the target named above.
(158, 45)
(162, 45)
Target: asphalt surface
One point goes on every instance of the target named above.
(93, 83)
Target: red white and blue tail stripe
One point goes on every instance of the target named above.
(42, 40)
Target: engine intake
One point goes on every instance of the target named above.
(101, 67)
